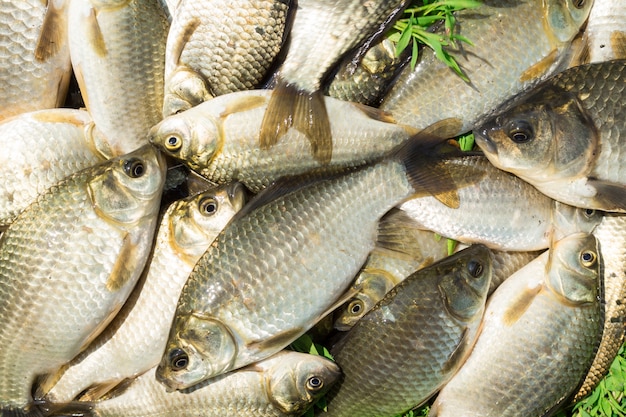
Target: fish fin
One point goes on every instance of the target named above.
(305, 111)
(120, 273)
(100, 327)
(179, 44)
(277, 341)
(520, 304)
(541, 67)
(105, 390)
(581, 53)
(611, 196)
(393, 236)
(66, 409)
(375, 113)
(243, 103)
(618, 44)
(44, 383)
(197, 184)
(457, 356)
(345, 297)
(53, 33)
(94, 34)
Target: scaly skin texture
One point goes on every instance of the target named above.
(29, 81)
(39, 149)
(218, 47)
(311, 241)
(538, 338)
(515, 47)
(275, 387)
(569, 141)
(605, 33)
(135, 340)
(220, 139)
(118, 56)
(414, 340)
(68, 263)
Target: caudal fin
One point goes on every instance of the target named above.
(305, 111)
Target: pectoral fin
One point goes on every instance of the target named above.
(611, 196)
(540, 68)
(520, 304)
(618, 44)
(276, 342)
(53, 35)
(94, 34)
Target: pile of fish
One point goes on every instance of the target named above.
(226, 176)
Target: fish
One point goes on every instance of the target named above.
(301, 236)
(322, 32)
(40, 148)
(545, 318)
(284, 385)
(219, 47)
(118, 56)
(414, 339)
(67, 264)
(219, 139)
(135, 340)
(35, 63)
(366, 79)
(565, 137)
(521, 219)
(611, 235)
(515, 45)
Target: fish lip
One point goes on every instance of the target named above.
(481, 136)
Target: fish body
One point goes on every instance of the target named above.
(218, 47)
(414, 340)
(539, 334)
(118, 55)
(135, 340)
(566, 137)
(34, 55)
(69, 261)
(284, 385)
(324, 30)
(237, 305)
(39, 149)
(516, 44)
(604, 38)
(219, 139)
(523, 219)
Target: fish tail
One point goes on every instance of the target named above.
(289, 107)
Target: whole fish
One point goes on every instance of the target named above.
(323, 31)
(34, 55)
(498, 209)
(295, 238)
(566, 137)
(39, 149)
(414, 340)
(219, 139)
(284, 385)
(611, 235)
(67, 264)
(218, 47)
(538, 337)
(118, 55)
(135, 340)
(516, 44)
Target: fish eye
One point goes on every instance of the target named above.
(589, 213)
(588, 258)
(173, 143)
(134, 168)
(521, 132)
(475, 268)
(579, 4)
(207, 206)
(314, 383)
(355, 307)
(178, 359)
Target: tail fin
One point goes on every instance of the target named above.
(305, 111)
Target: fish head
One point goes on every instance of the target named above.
(196, 221)
(464, 283)
(547, 136)
(569, 219)
(198, 348)
(574, 268)
(296, 381)
(192, 139)
(564, 18)
(129, 187)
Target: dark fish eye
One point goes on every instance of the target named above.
(134, 168)
(178, 359)
(355, 307)
(579, 4)
(207, 206)
(173, 143)
(589, 212)
(314, 383)
(475, 268)
(521, 132)
(588, 258)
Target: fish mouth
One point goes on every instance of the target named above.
(481, 136)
